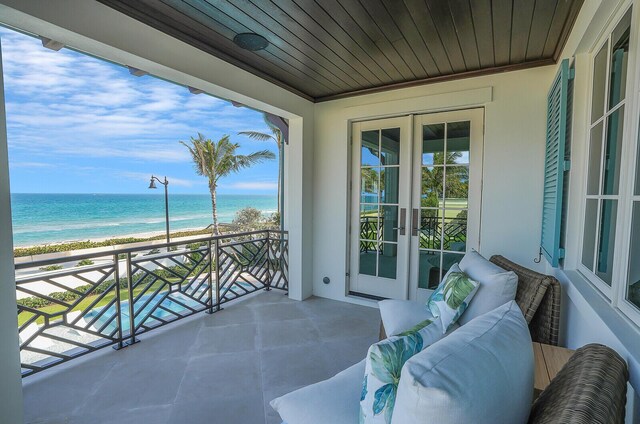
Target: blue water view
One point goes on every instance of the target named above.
(48, 218)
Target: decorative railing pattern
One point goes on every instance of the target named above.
(71, 306)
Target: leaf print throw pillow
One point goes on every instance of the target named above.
(449, 301)
(384, 363)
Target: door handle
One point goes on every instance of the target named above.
(414, 222)
(403, 217)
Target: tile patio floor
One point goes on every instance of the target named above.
(221, 368)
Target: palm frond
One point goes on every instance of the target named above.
(257, 135)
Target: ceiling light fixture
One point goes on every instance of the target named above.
(250, 41)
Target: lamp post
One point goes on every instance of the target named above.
(165, 183)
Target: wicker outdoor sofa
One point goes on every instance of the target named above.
(592, 386)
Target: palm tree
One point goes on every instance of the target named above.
(276, 135)
(215, 160)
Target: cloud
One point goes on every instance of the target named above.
(173, 181)
(31, 165)
(69, 104)
(253, 185)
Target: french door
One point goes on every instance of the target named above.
(416, 193)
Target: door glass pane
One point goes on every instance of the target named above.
(388, 260)
(633, 292)
(619, 60)
(458, 134)
(432, 144)
(389, 178)
(613, 152)
(637, 190)
(368, 259)
(370, 151)
(390, 146)
(599, 83)
(431, 194)
(389, 223)
(430, 228)
(369, 185)
(369, 222)
(454, 232)
(456, 187)
(589, 241)
(433, 266)
(606, 246)
(595, 157)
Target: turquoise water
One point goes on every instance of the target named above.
(48, 218)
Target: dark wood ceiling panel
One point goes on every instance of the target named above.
(325, 49)
(279, 35)
(429, 34)
(461, 14)
(483, 27)
(444, 24)
(522, 15)
(327, 46)
(540, 25)
(412, 38)
(229, 26)
(501, 12)
(363, 29)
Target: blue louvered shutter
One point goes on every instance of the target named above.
(555, 165)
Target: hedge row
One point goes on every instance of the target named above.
(78, 245)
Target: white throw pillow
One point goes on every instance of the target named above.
(400, 315)
(335, 400)
(497, 286)
(482, 373)
(452, 297)
(383, 365)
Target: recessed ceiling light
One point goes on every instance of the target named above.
(250, 41)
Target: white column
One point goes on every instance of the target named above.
(10, 381)
(299, 206)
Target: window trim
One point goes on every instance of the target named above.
(616, 293)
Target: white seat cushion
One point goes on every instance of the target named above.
(497, 286)
(400, 315)
(336, 400)
(482, 374)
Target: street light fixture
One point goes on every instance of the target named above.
(165, 183)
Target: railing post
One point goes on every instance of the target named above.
(210, 310)
(217, 259)
(116, 271)
(269, 275)
(132, 324)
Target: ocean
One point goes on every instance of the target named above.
(50, 218)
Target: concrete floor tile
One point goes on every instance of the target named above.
(233, 338)
(230, 315)
(221, 376)
(294, 366)
(279, 312)
(244, 408)
(287, 333)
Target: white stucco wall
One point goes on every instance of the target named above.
(515, 119)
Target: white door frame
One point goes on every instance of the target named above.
(379, 286)
(476, 146)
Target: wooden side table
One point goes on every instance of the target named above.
(549, 360)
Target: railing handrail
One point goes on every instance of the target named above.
(113, 252)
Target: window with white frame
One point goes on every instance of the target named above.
(604, 170)
(632, 292)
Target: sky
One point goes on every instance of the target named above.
(77, 124)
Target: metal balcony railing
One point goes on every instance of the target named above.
(71, 306)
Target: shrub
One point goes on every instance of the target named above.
(51, 268)
(84, 262)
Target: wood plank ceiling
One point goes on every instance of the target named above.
(327, 49)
